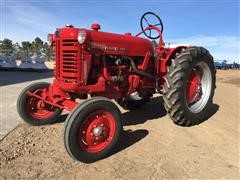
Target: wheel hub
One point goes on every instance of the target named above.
(40, 104)
(198, 88)
(194, 88)
(97, 131)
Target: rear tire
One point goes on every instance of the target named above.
(189, 87)
(92, 130)
(28, 110)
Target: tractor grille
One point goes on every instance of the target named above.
(67, 65)
(69, 61)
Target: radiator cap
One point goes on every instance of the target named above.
(128, 34)
(96, 27)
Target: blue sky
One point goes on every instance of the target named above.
(213, 24)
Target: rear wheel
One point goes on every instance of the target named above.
(33, 110)
(189, 87)
(92, 130)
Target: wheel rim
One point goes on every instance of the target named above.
(97, 131)
(198, 87)
(37, 108)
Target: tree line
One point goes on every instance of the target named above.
(26, 48)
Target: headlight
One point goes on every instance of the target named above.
(82, 34)
(50, 39)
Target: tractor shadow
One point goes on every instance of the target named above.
(129, 138)
(152, 110)
(14, 77)
(61, 119)
(211, 111)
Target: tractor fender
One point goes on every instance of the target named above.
(173, 52)
(170, 54)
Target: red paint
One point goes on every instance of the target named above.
(96, 27)
(87, 140)
(125, 44)
(193, 90)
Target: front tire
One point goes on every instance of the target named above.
(92, 130)
(34, 111)
(189, 87)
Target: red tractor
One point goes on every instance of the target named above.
(123, 67)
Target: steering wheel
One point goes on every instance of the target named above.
(148, 32)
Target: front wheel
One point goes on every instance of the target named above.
(189, 87)
(92, 130)
(34, 111)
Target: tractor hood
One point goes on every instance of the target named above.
(108, 43)
(111, 43)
